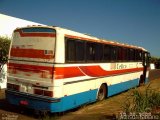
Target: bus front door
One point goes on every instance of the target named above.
(145, 65)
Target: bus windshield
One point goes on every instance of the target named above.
(33, 44)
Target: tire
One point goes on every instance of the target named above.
(141, 81)
(102, 92)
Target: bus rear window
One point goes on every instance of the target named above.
(38, 30)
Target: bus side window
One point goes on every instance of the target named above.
(90, 51)
(75, 50)
(107, 53)
(70, 50)
(125, 55)
(120, 54)
(114, 53)
(80, 51)
(149, 58)
(131, 54)
(98, 52)
(146, 57)
(140, 55)
(136, 55)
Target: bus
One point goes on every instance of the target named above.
(55, 69)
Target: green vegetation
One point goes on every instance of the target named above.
(139, 102)
(4, 48)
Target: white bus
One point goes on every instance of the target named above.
(56, 69)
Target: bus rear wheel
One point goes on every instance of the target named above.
(102, 92)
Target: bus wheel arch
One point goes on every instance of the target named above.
(102, 92)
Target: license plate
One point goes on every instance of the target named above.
(24, 102)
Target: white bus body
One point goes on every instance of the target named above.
(55, 69)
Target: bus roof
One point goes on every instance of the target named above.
(84, 36)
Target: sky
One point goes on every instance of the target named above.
(135, 22)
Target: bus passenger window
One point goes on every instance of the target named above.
(132, 54)
(98, 52)
(120, 54)
(107, 53)
(90, 51)
(80, 51)
(140, 55)
(113, 53)
(125, 55)
(75, 50)
(70, 52)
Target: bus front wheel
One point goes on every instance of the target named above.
(102, 92)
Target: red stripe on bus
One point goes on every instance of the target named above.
(59, 72)
(22, 34)
(28, 68)
(41, 71)
(67, 72)
(92, 71)
(30, 53)
(97, 71)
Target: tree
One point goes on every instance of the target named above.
(4, 49)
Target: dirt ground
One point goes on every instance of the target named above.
(104, 110)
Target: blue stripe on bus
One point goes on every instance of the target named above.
(65, 103)
(72, 101)
(76, 100)
(114, 89)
